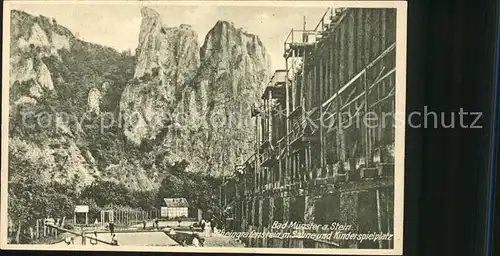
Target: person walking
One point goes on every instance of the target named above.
(212, 225)
(208, 228)
(202, 225)
(144, 224)
(157, 225)
(111, 228)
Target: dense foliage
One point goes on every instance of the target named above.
(30, 198)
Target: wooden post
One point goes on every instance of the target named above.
(379, 218)
(86, 219)
(336, 102)
(55, 229)
(388, 215)
(292, 80)
(321, 118)
(37, 229)
(62, 222)
(84, 239)
(74, 218)
(366, 129)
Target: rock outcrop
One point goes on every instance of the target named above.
(51, 73)
(235, 67)
(32, 39)
(195, 101)
(179, 100)
(167, 60)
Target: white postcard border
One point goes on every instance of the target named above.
(401, 38)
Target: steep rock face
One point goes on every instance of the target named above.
(197, 107)
(178, 105)
(167, 59)
(235, 67)
(51, 75)
(32, 39)
(146, 52)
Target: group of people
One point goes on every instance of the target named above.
(155, 224)
(207, 226)
(94, 241)
(93, 238)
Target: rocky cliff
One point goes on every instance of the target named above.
(195, 102)
(174, 100)
(53, 83)
(167, 60)
(32, 39)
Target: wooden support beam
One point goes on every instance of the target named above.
(351, 44)
(37, 229)
(321, 121)
(292, 80)
(340, 74)
(303, 77)
(360, 53)
(382, 18)
(366, 130)
(379, 218)
(368, 34)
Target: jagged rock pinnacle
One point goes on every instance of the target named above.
(148, 12)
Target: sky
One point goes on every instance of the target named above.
(117, 26)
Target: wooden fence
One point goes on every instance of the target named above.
(128, 217)
(37, 230)
(134, 216)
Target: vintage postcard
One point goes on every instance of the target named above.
(204, 126)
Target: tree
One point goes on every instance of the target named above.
(195, 187)
(27, 200)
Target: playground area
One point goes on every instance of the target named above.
(131, 239)
(168, 233)
(131, 228)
